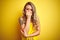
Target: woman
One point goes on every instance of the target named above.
(29, 23)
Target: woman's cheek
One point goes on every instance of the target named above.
(26, 10)
(31, 11)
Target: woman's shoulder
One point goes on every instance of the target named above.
(21, 18)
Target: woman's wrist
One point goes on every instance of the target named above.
(29, 36)
(29, 18)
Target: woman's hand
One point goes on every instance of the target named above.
(28, 14)
(24, 33)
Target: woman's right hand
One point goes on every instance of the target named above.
(28, 14)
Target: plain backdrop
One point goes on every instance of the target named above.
(47, 11)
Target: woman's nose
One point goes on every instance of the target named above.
(29, 10)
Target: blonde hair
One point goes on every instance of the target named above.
(33, 17)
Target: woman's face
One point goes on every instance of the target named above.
(28, 9)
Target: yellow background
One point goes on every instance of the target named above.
(47, 11)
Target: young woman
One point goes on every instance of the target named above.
(30, 27)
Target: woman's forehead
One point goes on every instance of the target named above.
(29, 7)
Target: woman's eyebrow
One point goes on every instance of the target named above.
(29, 8)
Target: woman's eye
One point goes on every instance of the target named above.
(31, 9)
(27, 9)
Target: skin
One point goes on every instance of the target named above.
(25, 28)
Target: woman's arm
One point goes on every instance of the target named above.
(24, 28)
(35, 33)
(27, 25)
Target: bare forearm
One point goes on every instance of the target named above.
(27, 25)
(30, 35)
(34, 34)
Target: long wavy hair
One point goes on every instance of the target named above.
(33, 17)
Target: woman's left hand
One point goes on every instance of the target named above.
(24, 33)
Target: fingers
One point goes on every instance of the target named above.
(24, 33)
(28, 13)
